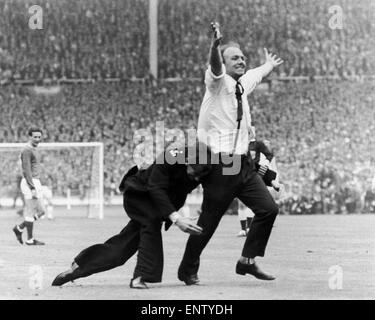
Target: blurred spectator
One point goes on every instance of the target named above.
(322, 133)
(321, 130)
(98, 39)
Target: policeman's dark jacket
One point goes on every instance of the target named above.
(166, 182)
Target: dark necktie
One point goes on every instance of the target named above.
(239, 93)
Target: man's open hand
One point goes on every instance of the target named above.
(187, 225)
(216, 38)
(272, 58)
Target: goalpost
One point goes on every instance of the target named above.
(73, 170)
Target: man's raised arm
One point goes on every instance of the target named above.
(254, 76)
(216, 61)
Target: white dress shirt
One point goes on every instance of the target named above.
(217, 123)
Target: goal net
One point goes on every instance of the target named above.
(73, 171)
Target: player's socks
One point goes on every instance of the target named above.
(243, 224)
(18, 232)
(21, 226)
(29, 229)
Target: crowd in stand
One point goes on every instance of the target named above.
(98, 39)
(107, 113)
(80, 39)
(299, 31)
(321, 133)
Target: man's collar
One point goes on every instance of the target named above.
(29, 144)
(232, 80)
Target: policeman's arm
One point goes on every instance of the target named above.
(158, 185)
(185, 224)
(265, 150)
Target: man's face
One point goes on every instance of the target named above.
(234, 62)
(35, 138)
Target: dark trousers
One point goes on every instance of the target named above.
(218, 192)
(142, 234)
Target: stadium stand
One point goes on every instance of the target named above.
(109, 39)
(321, 131)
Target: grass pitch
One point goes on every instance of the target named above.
(310, 255)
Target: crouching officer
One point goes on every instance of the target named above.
(150, 197)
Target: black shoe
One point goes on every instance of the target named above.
(253, 269)
(67, 276)
(138, 283)
(35, 243)
(18, 234)
(188, 279)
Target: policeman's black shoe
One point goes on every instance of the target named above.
(18, 234)
(63, 278)
(138, 283)
(253, 269)
(189, 280)
(67, 276)
(34, 242)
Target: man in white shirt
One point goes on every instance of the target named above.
(224, 124)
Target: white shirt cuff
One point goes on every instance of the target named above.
(174, 217)
(268, 66)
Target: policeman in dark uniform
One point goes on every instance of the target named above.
(151, 197)
(256, 148)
